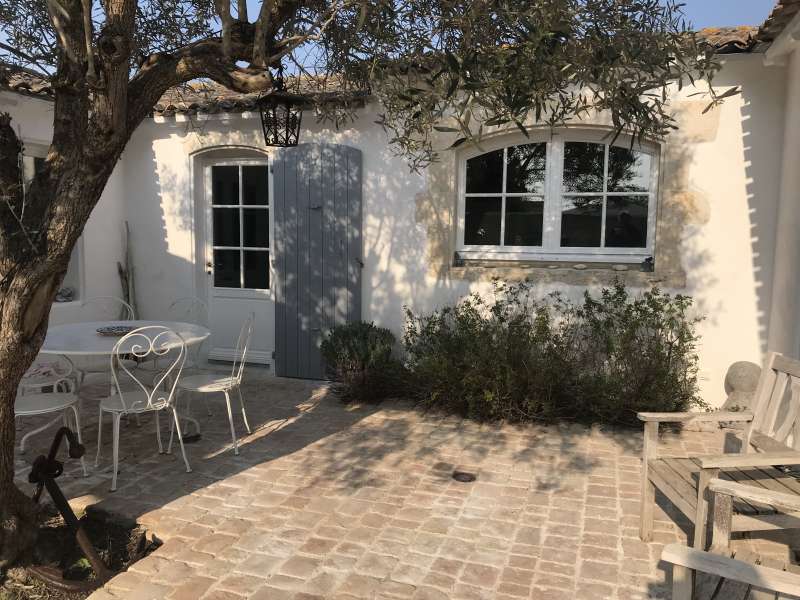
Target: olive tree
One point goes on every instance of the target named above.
(434, 66)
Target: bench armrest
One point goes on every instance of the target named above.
(685, 417)
(788, 502)
(783, 582)
(764, 459)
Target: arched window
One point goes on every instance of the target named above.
(573, 197)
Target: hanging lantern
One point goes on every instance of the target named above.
(281, 114)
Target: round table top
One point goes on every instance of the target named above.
(82, 339)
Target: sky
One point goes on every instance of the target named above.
(724, 13)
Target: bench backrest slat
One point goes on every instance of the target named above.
(776, 414)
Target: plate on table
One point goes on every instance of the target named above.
(115, 330)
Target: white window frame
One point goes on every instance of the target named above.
(551, 250)
(269, 250)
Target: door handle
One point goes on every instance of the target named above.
(209, 268)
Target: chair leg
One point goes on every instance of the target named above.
(646, 511)
(158, 433)
(681, 583)
(34, 432)
(99, 437)
(701, 518)
(172, 424)
(117, 418)
(76, 414)
(230, 420)
(648, 490)
(177, 425)
(244, 414)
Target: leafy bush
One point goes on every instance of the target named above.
(359, 359)
(520, 359)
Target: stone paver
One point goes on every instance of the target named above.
(329, 501)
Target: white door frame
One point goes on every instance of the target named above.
(253, 355)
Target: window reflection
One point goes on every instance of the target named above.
(581, 222)
(628, 170)
(482, 221)
(524, 220)
(485, 173)
(626, 222)
(526, 168)
(583, 167)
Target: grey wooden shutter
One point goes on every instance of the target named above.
(317, 251)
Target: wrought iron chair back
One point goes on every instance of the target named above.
(49, 372)
(109, 308)
(189, 310)
(241, 348)
(150, 343)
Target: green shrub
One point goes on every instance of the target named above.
(519, 359)
(359, 359)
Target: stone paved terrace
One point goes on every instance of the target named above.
(327, 501)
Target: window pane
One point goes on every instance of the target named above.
(626, 221)
(255, 185)
(485, 173)
(581, 221)
(256, 227)
(524, 221)
(628, 170)
(526, 168)
(225, 185)
(256, 270)
(226, 226)
(226, 269)
(482, 221)
(583, 167)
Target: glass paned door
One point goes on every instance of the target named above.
(240, 226)
(238, 244)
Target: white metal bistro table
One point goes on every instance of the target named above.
(82, 339)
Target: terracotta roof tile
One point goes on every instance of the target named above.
(730, 40)
(781, 16)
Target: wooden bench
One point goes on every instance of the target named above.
(770, 443)
(725, 575)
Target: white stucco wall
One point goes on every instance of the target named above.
(727, 257)
(101, 245)
(727, 250)
(784, 336)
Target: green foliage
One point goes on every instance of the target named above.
(359, 359)
(519, 359)
(443, 70)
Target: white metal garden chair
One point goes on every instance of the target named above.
(136, 397)
(101, 308)
(106, 308)
(190, 310)
(214, 383)
(183, 310)
(49, 387)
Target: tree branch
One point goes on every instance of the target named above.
(260, 39)
(223, 8)
(91, 73)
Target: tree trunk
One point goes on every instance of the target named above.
(30, 275)
(25, 304)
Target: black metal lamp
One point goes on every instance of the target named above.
(281, 114)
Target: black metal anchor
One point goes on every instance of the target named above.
(44, 473)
